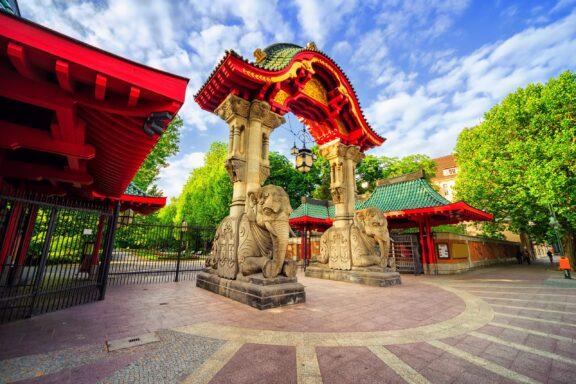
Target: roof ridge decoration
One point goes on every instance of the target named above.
(301, 80)
(402, 178)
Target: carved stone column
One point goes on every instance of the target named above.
(251, 124)
(343, 159)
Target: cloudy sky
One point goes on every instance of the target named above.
(423, 69)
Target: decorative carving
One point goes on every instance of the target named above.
(256, 241)
(236, 168)
(315, 90)
(365, 243)
(338, 193)
(354, 153)
(264, 173)
(273, 120)
(312, 45)
(260, 55)
(223, 256)
(258, 109)
(281, 97)
(232, 106)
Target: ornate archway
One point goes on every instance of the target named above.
(253, 96)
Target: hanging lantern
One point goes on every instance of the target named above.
(294, 150)
(304, 160)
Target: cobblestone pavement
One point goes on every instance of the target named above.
(505, 324)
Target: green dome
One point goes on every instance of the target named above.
(278, 56)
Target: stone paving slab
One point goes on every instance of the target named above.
(498, 325)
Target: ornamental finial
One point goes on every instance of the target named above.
(260, 55)
(312, 45)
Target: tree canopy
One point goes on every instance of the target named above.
(520, 162)
(373, 168)
(207, 194)
(167, 145)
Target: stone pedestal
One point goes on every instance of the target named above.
(255, 290)
(373, 276)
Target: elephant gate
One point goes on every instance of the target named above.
(252, 98)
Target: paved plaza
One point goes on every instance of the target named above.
(506, 324)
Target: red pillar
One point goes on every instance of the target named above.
(423, 245)
(430, 241)
(32, 215)
(11, 232)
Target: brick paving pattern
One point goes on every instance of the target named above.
(505, 324)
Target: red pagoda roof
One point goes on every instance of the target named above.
(77, 121)
(303, 81)
(406, 201)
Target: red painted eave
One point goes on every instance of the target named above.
(141, 204)
(71, 50)
(99, 103)
(464, 211)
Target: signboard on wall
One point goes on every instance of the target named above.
(442, 250)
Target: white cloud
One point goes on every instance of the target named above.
(172, 178)
(429, 119)
(319, 18)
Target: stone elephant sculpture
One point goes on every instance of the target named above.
(364, 243)
(256, 241)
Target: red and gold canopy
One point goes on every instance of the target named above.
(303, 81)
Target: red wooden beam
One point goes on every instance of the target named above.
(134, 96)
(100, 87)
(20, 62)
(62, 69)
(15, 136)
(29, 171)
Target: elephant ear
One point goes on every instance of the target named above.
(252, 204)
(359, 220)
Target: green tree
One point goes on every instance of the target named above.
(207, 194)
(373, 168)
(521, 160)
(296, 184)
(167, 145)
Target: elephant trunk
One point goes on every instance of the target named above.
(279, 232)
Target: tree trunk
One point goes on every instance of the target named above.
(569, 244)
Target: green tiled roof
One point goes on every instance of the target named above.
(7, 7)
(398, 194)
(317, 209)
(405, 195)
(133, 190)
(278, 56)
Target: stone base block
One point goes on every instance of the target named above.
(364, 276)
(255, 291)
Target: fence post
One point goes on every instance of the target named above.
(43, 260)
(182, 229)
(107, 251)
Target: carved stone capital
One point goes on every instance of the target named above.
(260, 111)
(335, 149)
(236, 169)
(232, 106)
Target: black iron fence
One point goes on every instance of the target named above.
(150, 253)
(52, 254)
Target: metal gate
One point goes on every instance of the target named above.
(152, 253)
(51, 254)
(405, 249)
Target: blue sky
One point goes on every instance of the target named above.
(423, 70)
